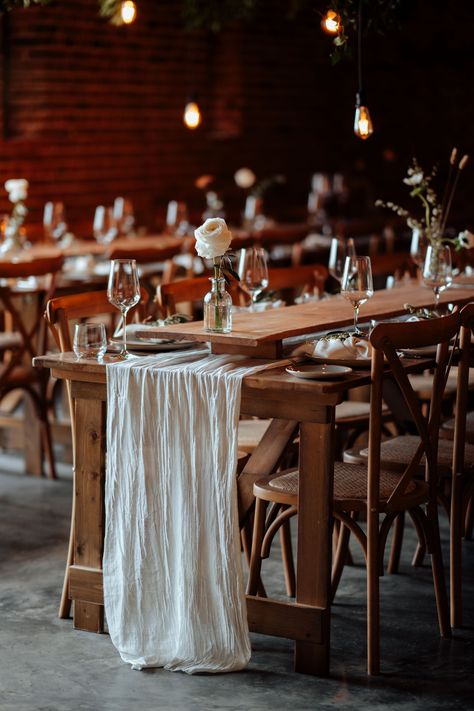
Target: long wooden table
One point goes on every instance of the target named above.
(292, 403)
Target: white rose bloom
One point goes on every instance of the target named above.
(17, 189)
(244, 178)
(414, 179)
(213, 238)
(467, 239)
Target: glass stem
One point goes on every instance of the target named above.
(436, 295)
(356, 316)
(123, 352)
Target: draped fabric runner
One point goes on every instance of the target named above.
(173, 584)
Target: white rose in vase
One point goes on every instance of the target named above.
(17, 189)
(213, 238)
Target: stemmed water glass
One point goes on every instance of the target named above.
(437, 270)
(338, 252)
(104, 225)
(418, 248)
(253, 272)
(357, 284)
(54, 221)
(123, 291)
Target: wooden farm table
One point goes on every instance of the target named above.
(269, 394)
(272, 393)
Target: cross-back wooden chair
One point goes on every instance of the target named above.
(60, 315)
(369, 491)
(455, 463)
(26, 337)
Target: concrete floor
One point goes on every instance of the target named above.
(47, 666)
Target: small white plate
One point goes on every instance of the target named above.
(318, 372)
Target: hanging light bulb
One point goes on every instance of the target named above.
(192, 115)
(331, 23)
(128, 11)
(363, 126)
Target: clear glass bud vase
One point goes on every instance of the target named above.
(218, 307)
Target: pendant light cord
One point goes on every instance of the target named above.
(359, 45)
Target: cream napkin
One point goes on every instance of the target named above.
(337, 348)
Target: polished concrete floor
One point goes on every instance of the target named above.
(47, 666)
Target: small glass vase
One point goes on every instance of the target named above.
(218, 307)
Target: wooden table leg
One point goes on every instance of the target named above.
(89, 509)
(313, 580)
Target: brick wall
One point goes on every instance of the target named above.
(91, 111)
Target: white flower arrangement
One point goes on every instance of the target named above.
(433, 222)
(17, 189)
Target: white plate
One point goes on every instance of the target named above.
(422, 352)
(152, 344)
(351, 362)
(318, 372)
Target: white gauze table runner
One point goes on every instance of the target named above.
(173, 583)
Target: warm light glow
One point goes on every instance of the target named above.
(128, 11)
(192, 115)
(331, 23)
(363, 126)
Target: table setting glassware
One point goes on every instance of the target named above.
(253, 272)
(338, 251)
(123, 291)
(105, 225)
(437, 270)
(357, 284)
(89, 340)
(54, 221)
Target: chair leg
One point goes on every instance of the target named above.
(455, 551)
(287, 557)
(437, 567)
(373, 594)
(257, 538)
(469, 519)
(65, 602)
(340, 557)
(396, 546)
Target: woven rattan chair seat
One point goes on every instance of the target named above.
(350, 485)
(399, 451)
(448, 426)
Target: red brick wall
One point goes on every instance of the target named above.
(95, 111)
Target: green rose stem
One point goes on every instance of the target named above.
(217, 275)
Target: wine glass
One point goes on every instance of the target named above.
(356, 284)
(338, 252)
(104, 225)
(253, 272)
(123, 291)
(418, 248)
(54, 221)
(437, 270)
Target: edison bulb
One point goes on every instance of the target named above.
(363, 126)
(128, 11)
(192, 115)
(331, 23)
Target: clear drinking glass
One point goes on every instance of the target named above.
(338, 251)
(253, 272)
(54, 221)
(90, 340)
(123, 291)
(357, 284)
(437, 270)
(104, 226)
(418, 247)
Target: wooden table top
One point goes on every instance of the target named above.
(254, 331)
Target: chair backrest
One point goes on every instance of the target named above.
(161, 256)
(388, 341)
(462, 387)
(63, 312)
(299, 279)
(30, 327)
(185, 291)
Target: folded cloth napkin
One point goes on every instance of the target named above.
(173, 582)
(340, 348)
